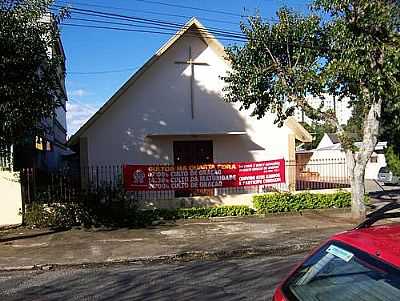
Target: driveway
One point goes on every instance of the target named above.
(183, 239)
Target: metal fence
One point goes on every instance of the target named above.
(107, 181)
(321, 174)
(5, 159)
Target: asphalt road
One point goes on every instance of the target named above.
(236, 279)
(372, 186)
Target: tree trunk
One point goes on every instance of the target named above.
(358, 210)
(357, 160)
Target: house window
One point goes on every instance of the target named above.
(49, 146)
(39, 143)
(373, 159)
(43, 145)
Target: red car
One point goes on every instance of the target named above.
(360, 264)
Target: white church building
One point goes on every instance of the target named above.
(172, 111)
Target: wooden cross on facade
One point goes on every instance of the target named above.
(192, 63)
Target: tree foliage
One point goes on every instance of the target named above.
(390, 130)
(29, 70)
(278, 66)
(393, 160)
(345, 48)
(353, 54)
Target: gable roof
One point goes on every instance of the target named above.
(299, 131)
(192, 23)
(333, 137)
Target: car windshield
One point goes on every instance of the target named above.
(340, 272)
(384, 170)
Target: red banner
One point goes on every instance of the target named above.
(217, 175)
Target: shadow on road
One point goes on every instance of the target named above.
(18, 236)
(385, 195)
(249, 279)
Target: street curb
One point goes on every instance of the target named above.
(279, 250)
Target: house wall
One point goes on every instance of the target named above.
(159, 103)
(61, 117)
(372, 170)
(11, 202)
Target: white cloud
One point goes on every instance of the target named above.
(78, 93)
(77, 114)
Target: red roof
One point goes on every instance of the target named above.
(381, 241)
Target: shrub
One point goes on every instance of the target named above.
(144, 217)
(74, 214)
(55, 216)
(207, 212)
(36, 216)
(288, 202)
(393, 159)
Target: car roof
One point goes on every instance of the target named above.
(381, 241)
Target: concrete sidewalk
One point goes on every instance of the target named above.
(181, 240)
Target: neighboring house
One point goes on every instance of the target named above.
(327, 140)
(329, 150)
(46, 153)
(172, 111)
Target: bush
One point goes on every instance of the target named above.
(73, 214)
(393, 159)
(288, 202)
(55, 216)
(207, 212)
(145, 217)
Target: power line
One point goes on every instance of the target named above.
(83, 104)
(141, 31)
(164, 27)
(177, 27)
(147, 12)
(104, 72)
(141, 20)
(193, 8)
(117, 23)
(161, 25)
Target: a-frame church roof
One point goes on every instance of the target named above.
(202, 32)
(191, 24)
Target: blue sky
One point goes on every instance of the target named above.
(99, 61)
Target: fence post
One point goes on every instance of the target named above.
(23, 194)
(292, 175)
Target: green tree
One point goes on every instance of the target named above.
(352, 52)
(29, 70)
(393, 160)
(390, 130)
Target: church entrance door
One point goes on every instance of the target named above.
(193, 152)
